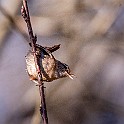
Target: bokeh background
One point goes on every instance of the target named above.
(91, 34)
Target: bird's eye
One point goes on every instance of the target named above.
(66, 67)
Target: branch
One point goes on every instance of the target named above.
(33, 39)
(12, 21)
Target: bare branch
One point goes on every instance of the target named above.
(33, 39)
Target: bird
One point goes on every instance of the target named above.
(51, 68)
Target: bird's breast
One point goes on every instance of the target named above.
(31, 68)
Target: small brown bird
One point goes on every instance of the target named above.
(51, 69)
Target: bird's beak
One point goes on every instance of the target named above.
(70, 75)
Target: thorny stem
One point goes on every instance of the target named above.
(33, 39)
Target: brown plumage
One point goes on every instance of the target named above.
(51, 69)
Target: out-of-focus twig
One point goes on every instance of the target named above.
(33, 39)
(12, 9)
(13, 22)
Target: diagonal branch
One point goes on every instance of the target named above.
(12, 21)
(33, 39)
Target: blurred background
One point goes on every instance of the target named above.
(91, 34)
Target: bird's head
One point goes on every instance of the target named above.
(63, 70)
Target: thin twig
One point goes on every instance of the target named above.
(33, 39)
(12, 21)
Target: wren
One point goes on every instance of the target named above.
(51, 69)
